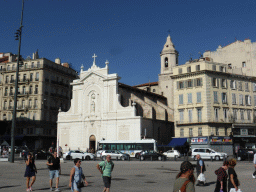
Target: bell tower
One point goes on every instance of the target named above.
(169, 57)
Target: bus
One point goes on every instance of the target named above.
(130, 147)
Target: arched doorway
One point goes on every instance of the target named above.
(92, 142)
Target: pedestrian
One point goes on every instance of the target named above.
(76, 176)
(54, 170)
(106, 167)
(222, 177)
(254, 162)
(200, 168)
(185, 179)
(233, 181)
(30, 171)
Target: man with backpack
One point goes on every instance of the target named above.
(105, 168)
(200, 168)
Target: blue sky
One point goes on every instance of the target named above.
(130, 34)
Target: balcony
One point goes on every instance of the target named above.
(214, 121)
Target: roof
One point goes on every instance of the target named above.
(140, 90)
(147, 84)
(4, 59)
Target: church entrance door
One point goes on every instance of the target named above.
(92, 140)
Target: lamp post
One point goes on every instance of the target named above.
(17, 37)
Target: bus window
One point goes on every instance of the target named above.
(113, 146)
(119, 146)
(139, 146)
(148, 146)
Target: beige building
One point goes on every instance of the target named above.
(210, 98)
(43, 89)
(239, 56)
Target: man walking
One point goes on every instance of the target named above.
(54, 166)
(105, 168)
(200, 167)
(254, 162)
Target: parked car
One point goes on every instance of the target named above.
(98, 153)
(244, 154)
(78, 154)
(172, 153)
(208, 153)
(152, 154)
(40, 154)
(115, 155)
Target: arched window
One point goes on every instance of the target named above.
(166, 62)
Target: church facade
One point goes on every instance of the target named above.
(104, 109)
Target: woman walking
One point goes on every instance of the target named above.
(222, 177)
(76, 176)
(30, 171)
(233, 181)
(185, 180)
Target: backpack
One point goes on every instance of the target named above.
(183, 187)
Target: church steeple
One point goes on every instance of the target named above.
(169, 56)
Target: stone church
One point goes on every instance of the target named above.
(103, 108)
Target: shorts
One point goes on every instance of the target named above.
(107, 181)
(54, 173)
(74, 187)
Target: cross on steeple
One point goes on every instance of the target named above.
(169, 32)
(94, 56)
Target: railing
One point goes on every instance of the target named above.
(216, 121)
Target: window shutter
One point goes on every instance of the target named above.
(213, 81)
(185, 84)
(201, 81)
(249, 100)
(177, 84)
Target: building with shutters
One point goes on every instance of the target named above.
(43, 89)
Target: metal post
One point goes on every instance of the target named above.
(151, 158)
(16, 90)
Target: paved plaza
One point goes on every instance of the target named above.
(127, 176)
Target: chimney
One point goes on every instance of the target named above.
(65, 65)
(57, 61)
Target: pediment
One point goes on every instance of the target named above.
(92, 77)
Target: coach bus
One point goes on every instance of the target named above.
(130, 147)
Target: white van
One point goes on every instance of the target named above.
(208, 153)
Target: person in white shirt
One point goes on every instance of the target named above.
(254, 162)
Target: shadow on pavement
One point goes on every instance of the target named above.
(9, 186)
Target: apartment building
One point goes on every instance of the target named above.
(43, 89)
(212, 99)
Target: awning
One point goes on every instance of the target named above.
(175, 142)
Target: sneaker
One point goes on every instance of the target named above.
(30, 188)
(51, 189)
(57, 189)
(253, 176)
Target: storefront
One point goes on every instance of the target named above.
(220, 144)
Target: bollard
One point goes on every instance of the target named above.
(140, 158)
(151, 158)
(94, 158)
(20, 154)
(211, 159)
(128, 158)
(175, 158)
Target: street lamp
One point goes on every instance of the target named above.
(17, 37)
